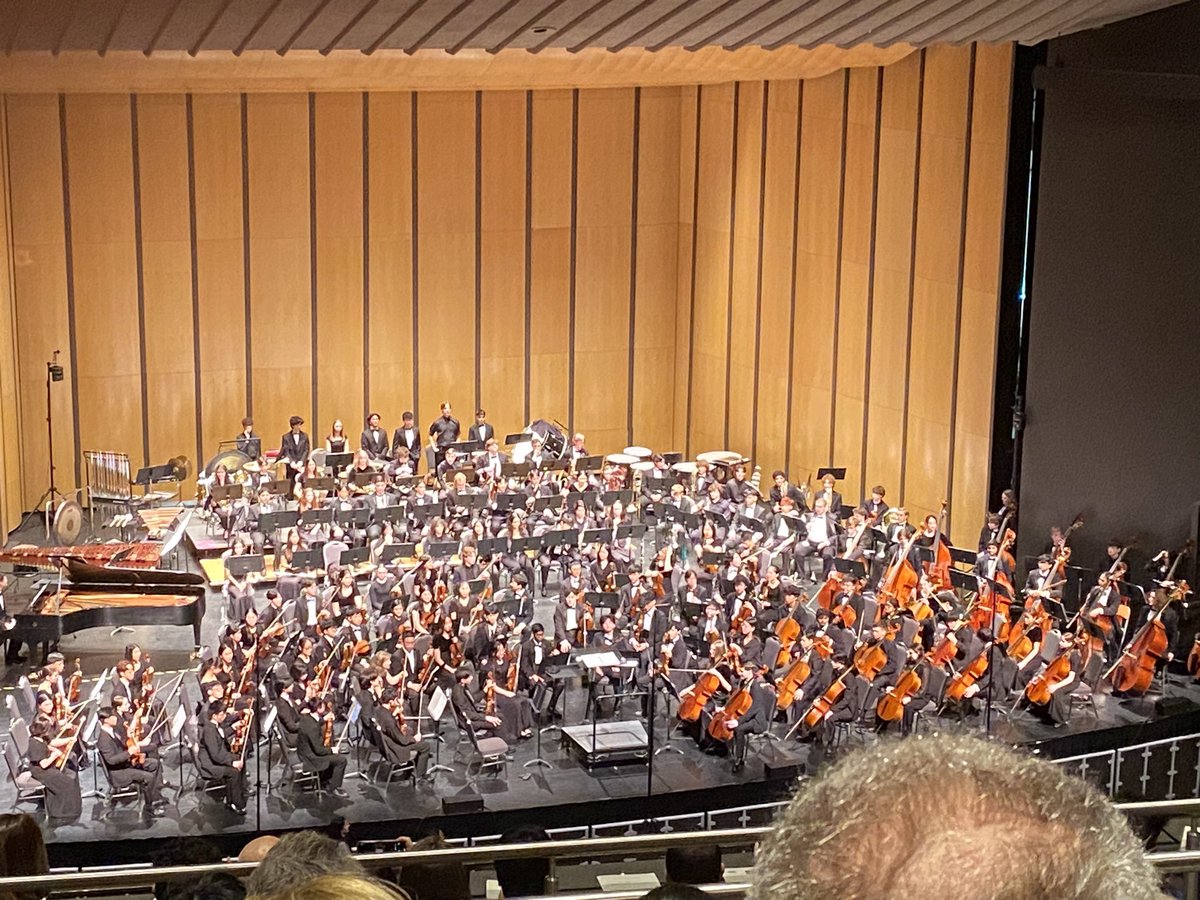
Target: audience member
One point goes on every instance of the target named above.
(212, 886)
(942, 816)
(673, 891)
(183, 852)
(257, 849)
(524, 877)
(694, 865)
(443, 881)
(299, 857)
(22, 851)
(341, 887)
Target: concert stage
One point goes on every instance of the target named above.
(563, 794)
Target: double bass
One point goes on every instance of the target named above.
(1133, 673)
(939, 569)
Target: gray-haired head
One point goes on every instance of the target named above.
(299, 857)
(943, 816)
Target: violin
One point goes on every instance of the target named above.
(75, 683)
(489, 692)
(327, 732)
(968, 676)
(133, 740)
(735, 707)
(587, 621)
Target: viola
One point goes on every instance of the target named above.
(75, 683)
(735, 707)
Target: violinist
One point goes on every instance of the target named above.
(130, 765)
(750, 647)
(50, 678)
(482, 636)
(287, 706)
(515, 709)
(380, 590)
(712, 626)
(475, 713)
(216, 762)
(301, 666)
(691, 596)
(125, 685)
(519, 601)
(571, 620)
(312, 750)
(47, 747)
(400, 742)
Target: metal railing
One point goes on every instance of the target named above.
(481, 856)
(1110, 770)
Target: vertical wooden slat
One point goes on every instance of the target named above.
(550, 254)
(981, 285)
(446, 279)
(820, 180)
(709, 323)
(167, 275)
(778, 206)
(280, 267)
(101, 194)
(656, 353)
(10, 422)
(339, 230)
(855, 271)
(502, 248)
(602, 265)
(939, 201)
(685, 296)
(219, 267)
(390, 268)
(40, 281)
(893, 237)
(743, 324)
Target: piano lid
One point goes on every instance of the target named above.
(84, 573)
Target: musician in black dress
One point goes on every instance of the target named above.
(46, 751)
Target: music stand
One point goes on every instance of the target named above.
(438, 701)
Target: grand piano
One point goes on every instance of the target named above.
(91, 596)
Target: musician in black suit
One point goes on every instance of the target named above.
(406, 442)
(215, 761)
(539, 661)
(122, 770)
(293, 446)
(481, 430)
(876, 507)
(374, 438)
(312, 752)
(402, 745)
(783, 489)
(247, 441)
(443, 432)
(832, 498)
(469, 709)
(756, 720)
(287, 715)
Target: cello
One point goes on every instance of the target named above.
(968, 676)
(799, 671)
(1039, 691)
(735, 707)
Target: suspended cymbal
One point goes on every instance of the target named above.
(182, 466)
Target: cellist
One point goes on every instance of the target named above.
(1050, 699)
(757, 719)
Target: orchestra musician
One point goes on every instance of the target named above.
(757, 719)
(443, 432)
(216, 762)
(248, 441)
(374, 439)
(312, 751)
(124, 768)
(876, 508)
(481, 431)
(820, 538)
(294, 447)
(539, 660)
(48, 745)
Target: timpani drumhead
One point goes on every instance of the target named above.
(644, 465)
(639, 452)
(620, 459)
(684, 468)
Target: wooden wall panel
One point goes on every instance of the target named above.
(339, 231)
(167, 274)
(940, 211)
(10, 421)
(775, 331)
(710, 322)
(446, 253)
(108, 365)
(603, 225)
(855, 273)
(690, 119)
(502, 247)
(220, 270)
(744, 280)
(893, 263)
(816, 275)
(280, 266)
(981, 286)
(40, 283)
(550, 275)
(389, 357)
(656, 394)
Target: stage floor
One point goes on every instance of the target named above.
(565, 793)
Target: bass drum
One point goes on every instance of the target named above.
(67, 522)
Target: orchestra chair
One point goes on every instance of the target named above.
(25, 689)
(490, 752)
(936, 682)
(18, 736)
(296, 775)
(14, 710)
(908, 630)
(1084, 693)
(289, 588)
(394, 765)
(331, 552)
(29, 789)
